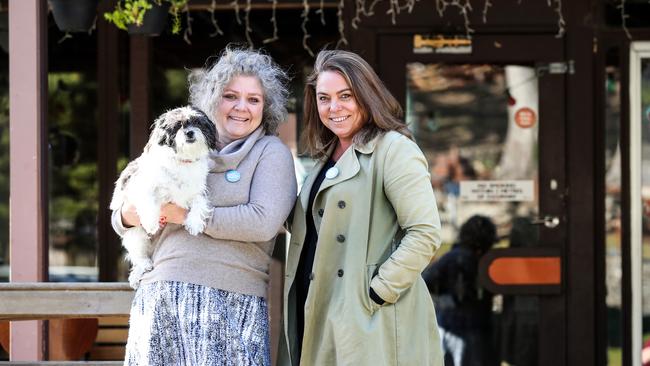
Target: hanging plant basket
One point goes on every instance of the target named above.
(154, 20)
(74, 15)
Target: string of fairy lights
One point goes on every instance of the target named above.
(624, 16)
(363, 8)
(366, 8)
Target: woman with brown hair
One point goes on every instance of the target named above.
(364, 227)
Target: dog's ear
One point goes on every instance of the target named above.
(157, 124)
(167, 137)
(158, 137)
(162, 140)
(207, 127)
(159, 134)
(154, 135)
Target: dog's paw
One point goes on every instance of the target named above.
(194, 226)
(137, 272)
(134, 281)
(196, 219)
(147, 265)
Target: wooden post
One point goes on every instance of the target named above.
(288, 134)
(140, 89)
(28, 219)
(108, 100)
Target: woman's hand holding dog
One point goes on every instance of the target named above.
(169, 213)
(172, 213)
(130, 217)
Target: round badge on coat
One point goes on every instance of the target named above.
(233, 176)
(332, 173)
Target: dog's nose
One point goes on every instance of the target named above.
(189, 135)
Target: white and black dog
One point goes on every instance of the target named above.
(172, 168)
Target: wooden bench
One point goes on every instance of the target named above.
(64, 302)
(110, 303)
(64, 363)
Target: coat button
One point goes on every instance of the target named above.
(340, 238)
(341, 204)
(321, 212)
(311, 276)
(340, 273)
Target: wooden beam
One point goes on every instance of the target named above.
(29, 301)
(66, 363)
(28, 219)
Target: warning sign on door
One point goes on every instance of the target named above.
(497, 190)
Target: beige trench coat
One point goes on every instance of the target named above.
(378, 213)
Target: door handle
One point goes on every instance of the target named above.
(548, 221)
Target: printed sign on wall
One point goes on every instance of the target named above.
(442, 44)
(497, 190)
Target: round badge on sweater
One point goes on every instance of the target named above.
(332, 173)
(233, 176)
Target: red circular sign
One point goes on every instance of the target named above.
(525, 117)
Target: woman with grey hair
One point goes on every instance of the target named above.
(204, 301)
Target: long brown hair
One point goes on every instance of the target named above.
(379, 107)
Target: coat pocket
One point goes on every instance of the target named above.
(371, 305)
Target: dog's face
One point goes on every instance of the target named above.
(185, 130)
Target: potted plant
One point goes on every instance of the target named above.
(146, 16)
(74, 15)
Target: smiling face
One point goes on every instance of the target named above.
(240, 109)
(337, 107)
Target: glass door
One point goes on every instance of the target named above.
(489, 118)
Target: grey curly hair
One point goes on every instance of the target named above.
(206, 85)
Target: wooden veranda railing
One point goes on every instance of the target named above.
(47, 300)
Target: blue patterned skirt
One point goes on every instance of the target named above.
(174, 323)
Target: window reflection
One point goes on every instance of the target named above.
(73, 203)
(613, 264)
(475, 122)
(645, 194)
(479, 123)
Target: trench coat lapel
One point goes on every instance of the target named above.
(306, 187)
(348, 166)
